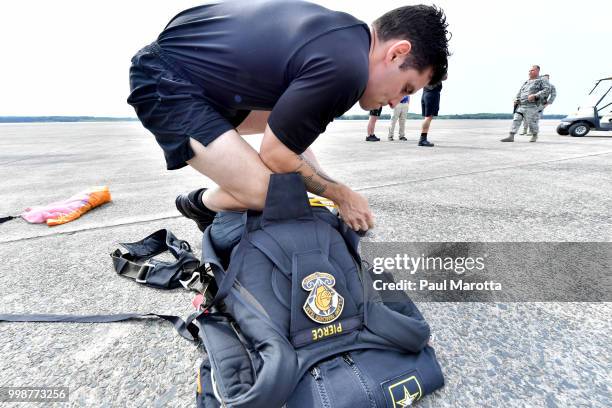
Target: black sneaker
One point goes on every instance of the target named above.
(426, 143)
(372, 138)
(403, 138)
(186, 205)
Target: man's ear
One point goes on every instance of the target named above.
(398, 51)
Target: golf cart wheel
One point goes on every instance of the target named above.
(579, 129)
(562, 131)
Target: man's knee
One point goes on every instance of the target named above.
(244, 177)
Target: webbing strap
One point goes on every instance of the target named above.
(138, 263)
(224, 279)
(227, 279)
(126, 266)
(8, 218)
(186, 329)
(286, 199)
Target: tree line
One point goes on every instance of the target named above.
(461, 116)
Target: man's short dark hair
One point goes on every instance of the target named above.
(426, 29)
(537, 66)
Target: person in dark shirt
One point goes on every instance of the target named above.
(285, 68)
(430, 106)
(374, 115)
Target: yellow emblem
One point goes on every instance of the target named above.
(324, 304)
(405, 392)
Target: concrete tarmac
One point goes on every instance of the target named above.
(469, 187)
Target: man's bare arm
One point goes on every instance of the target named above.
(353, 207)
(281, 159)
(314, 177)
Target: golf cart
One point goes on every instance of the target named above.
(595, 113)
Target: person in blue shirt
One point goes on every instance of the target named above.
(283, 68)
(400, 111)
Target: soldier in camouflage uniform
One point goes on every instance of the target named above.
(533, 92)
(549, 101)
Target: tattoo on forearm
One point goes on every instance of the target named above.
(314, 186)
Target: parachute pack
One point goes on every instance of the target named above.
(289, 324)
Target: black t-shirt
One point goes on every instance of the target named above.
(304, 62)
(437, 88)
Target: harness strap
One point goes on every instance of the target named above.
(185, 328)
(138, 264)
(126, 265)
(8, 218)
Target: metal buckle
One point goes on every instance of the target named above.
(199, 283)
(185, 245)
(187, 283)
(143, 271)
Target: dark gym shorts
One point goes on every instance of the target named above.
(174, 109)
(430, 103)
(376, 112)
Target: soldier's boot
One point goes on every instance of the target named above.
(510, 138)
(534, 138)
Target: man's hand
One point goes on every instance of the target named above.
(353, 207)
(531, 97)
(355, 211)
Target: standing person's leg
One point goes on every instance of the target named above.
(372, 124)
(533, 117)
(374, 114)
(430, 104)
(526, 122)
(396, 113)
(424, 130)
(525, 126)
(516, 124)
(426, 123)
(540, 115)
(402, 121)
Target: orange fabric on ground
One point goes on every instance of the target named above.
(97, 196)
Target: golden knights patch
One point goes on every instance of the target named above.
(324, 304)
(402, 391)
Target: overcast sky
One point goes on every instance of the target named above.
(71, 57)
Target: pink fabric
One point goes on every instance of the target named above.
(40, 213)
(60, 212)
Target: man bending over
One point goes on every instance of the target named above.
(284, 68)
